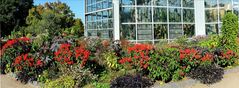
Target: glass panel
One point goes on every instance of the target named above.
(188, 3)
(225, 3)
(104, 23)
(128, 32)
(174, 15)
(99, 15)
(144, 14)
(92, 33)
(110, 13)
(105, 15)
(211, 29)
(110, 23)
(143, 2)
(236, 11)
(222, 12)
(188, 15)
(110, 3)
(160, 14)
(160, 31)
(176, 3)
(127, 14)
(189, 30)
(175, 31)
(211, 15)
(127, 2)
(160, 2)
(105, 4)
(144, 32)
(210, 3)
(105, 34)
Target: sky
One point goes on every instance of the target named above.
(76, 6)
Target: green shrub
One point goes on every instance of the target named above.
(229, 32)
(164, 65)
(210, 42)
(62, 82)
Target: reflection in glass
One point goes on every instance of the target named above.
(176, 3)
(143, 2)
(174, 15)
(224, 3)
(188, 3)
(127, 14)
(144, 31)
(160, 2)
(188, 15)
(189, 30)
(160, 15)
(175, 31)
(128, 32)
(127, 2)
(210, 3)
(211, 15)
(212, 29)
(160, 31)
(144, 14)
(222, 12)
(92, 33)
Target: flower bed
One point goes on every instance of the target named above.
(96, 63)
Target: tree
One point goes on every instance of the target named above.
(49, 18)
(13, 14)
(229, 31)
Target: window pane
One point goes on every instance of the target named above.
(160, 2)
(144, 32)
(188, 15)
(176, 3)
(128, 32)
(144, 14)
(160, 31)
(92, 33)
(174, 15)
(210, 3)
(143, 2)
(222, 12)
(160, 15)
(189, 30)
(127, 2)
(225, 3)
(188, 3)
(211, 29)
(211, 15)
(175, 31)
(127, 14)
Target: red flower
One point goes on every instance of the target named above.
(182, 56)
(39, 62)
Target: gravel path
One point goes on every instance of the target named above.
(8, 82)
(230, 80)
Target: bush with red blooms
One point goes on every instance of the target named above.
(27, 62)
(190, 58)
(226, 58)
(13, 48)
(138, 56)
(66, 54)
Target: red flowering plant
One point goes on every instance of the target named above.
(66, 54)
(13, 48)
(138, 56)
(226, 58)
(27, 62)
(191, 58)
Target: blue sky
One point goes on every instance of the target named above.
(76, 6)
